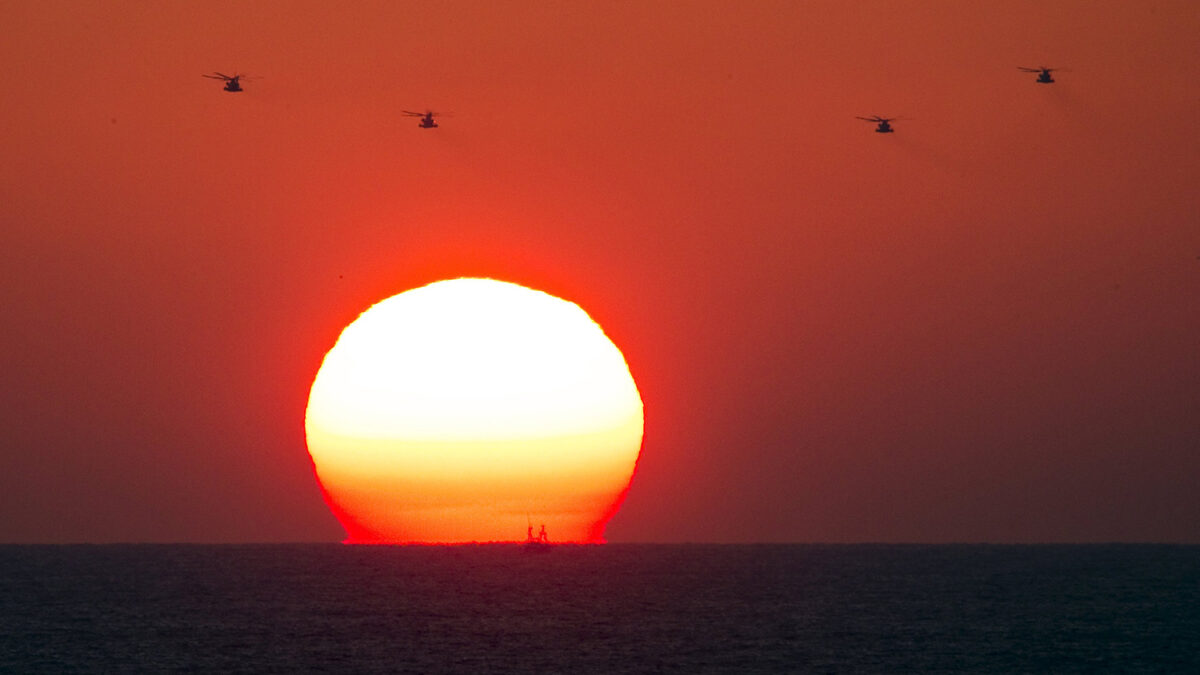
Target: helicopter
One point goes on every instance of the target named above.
(1043, 73)
(232, 83)
(426, 118)
(883, 122)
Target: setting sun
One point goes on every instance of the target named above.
(467, 409)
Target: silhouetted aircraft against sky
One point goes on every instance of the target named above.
(232, 82)
(426, 118)
(1044, 73)
(884, 123)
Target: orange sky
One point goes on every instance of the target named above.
(982, 327)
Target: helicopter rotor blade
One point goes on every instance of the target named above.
(868, 119)
(222, 75)
(1029, 70)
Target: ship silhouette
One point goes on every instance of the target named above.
(539, 544)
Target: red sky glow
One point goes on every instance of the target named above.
(983, 327)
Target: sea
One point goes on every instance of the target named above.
(615, 608)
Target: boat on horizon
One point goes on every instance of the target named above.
(539, 544)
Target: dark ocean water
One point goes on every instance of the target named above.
(600, 609)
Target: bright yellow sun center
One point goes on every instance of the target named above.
(466, 410)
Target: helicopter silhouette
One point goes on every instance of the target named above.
(426, 118)
(232, 82)
(1043, 73)
(884, 123)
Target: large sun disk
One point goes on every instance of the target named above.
(461, 410)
